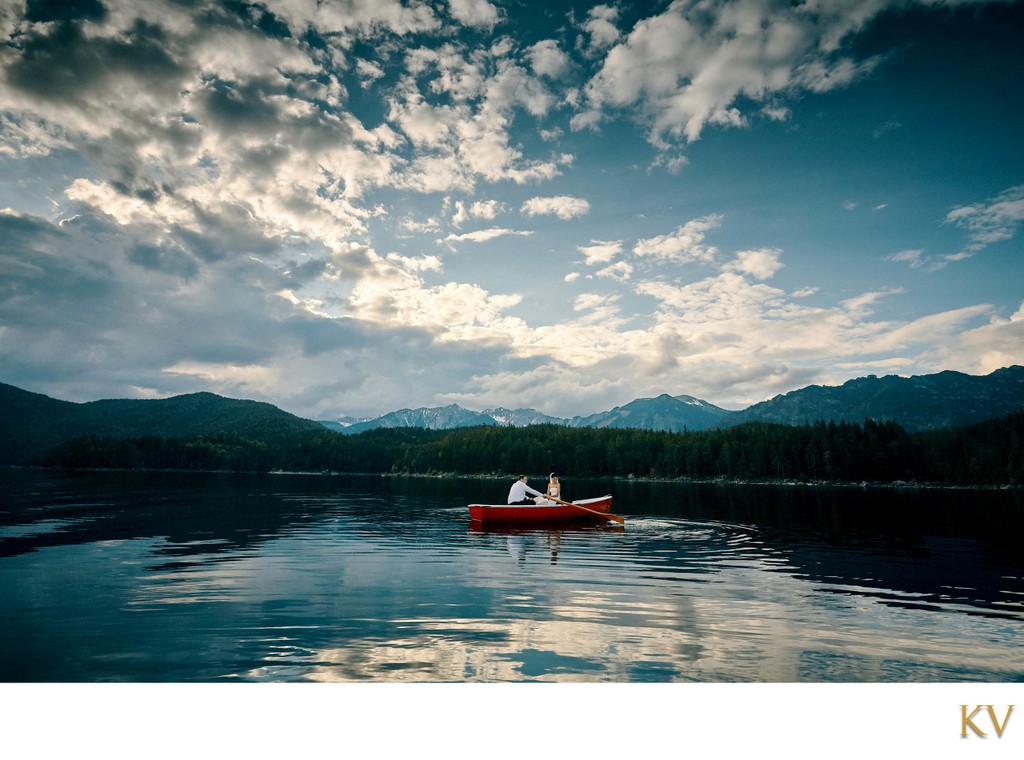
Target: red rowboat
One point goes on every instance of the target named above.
(523, 513)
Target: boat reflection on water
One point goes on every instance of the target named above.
(545, 527)
(517, 534)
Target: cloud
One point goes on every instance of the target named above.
(991, 221)
(913, 258)
(479, 13)
(600, 251)
(79, 300)
(359, 18)
(729, 321)
(454, 312)
(885, 128)
(686, 244)
(600, 26)
(548, 60)
(177, 114)
(620, 270)
(415, 264)
(369, 71)
(589, 301)
(986, 348)
(862, 303)
(476, 210)
(163, 101)
(457, 108)
(673, 162)
(415, 226)
(688, 67)
(562, 206)
(761, 263)
(169, 259)
(551, 387)
(59, 64)
(483, 236)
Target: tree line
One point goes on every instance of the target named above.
(986, 453)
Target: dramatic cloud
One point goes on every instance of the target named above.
(277, 200)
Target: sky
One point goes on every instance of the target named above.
(348, 207)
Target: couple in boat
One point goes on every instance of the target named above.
(518, 494)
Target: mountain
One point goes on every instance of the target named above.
(672, 413)
(523, 417)
(662, 413)
(921, 402)
(437, 418)
(446, 418)
(341, 424)
(32, 424)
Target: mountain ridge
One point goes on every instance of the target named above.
(918, 402)
(31, 423)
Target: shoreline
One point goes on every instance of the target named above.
(902, 485)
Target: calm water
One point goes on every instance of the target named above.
(208, 578)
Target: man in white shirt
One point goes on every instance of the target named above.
(517, 494)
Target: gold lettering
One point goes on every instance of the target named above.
(992, 715)
(965, 721)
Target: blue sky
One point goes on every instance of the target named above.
(352, 207)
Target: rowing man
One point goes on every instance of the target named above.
(518, 493)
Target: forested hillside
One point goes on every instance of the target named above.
(987, 453)
(32, 424)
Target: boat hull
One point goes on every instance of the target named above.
(541, 513)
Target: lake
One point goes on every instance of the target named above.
(207, 577)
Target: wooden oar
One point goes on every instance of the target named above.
(609, 515)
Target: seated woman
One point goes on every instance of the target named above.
(554, 491)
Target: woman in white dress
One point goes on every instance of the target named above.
(554, 490)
